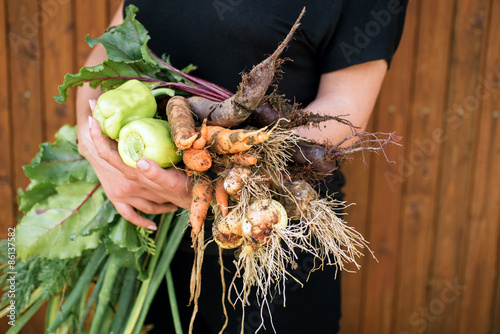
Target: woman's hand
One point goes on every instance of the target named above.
(148, 188)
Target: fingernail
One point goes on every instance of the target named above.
(92, 104)
(152, 227)
(142, 165)
(90, 122)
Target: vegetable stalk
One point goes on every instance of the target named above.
(84, 280)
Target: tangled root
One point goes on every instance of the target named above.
(274, 155)
(336, 243)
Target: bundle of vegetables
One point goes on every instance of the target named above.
(247, 166)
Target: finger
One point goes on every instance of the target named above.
(127, 189)
(107, 149)
(128, 212)
(151, 207)
(174, 183)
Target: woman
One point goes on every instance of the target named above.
(335, 65)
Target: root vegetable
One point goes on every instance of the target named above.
(227, 161)
(227, 141)
(234, 180)
(313, 155)
(252, 89)
(228, 232)
(276, 108)
(202, 195)
(243, 159)
(299, 195)
(181, 121)
(197, 160)
(221, 197)
(262, 218)
(202, 139)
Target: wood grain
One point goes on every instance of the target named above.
(480, 256)
(58, 57)
(7, 205)
(385, 194)
(24, 20)
(421, 163)
(455, 167)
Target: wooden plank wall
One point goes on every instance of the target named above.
(432, 217)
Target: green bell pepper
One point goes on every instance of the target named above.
(115, 108)
(148, 138)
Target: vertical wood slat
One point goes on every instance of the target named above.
(25, 82)
(484, 228)
(384, 197)
(113, 7)
(455, 166)
(6, 175)
(57, 41)
(92, 19)
(420, 166)
(7, 204)
(356, 190)
(495, 307)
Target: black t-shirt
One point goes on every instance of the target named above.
(224, 38)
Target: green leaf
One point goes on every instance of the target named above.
(123, 43)
(128, 57)
(59, 163)
(108, 75)
(45, 229)
(105, 216)
(124, 234)
(37, 192)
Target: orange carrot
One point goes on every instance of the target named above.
(227, 141)
(197, 160)
(202, 195)
(221, 197)
(202, 139)
(243, 159)
(181, 122)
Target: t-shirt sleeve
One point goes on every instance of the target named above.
(367, 30)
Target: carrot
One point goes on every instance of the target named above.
(251, 91)
(221, 197)
(227, 141)
(181, 122)
(202, 195)
(202, 139)
(197, 160)
(242, 159)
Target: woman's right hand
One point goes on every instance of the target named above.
(148, 188)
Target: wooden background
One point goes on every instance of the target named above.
(432, 217)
